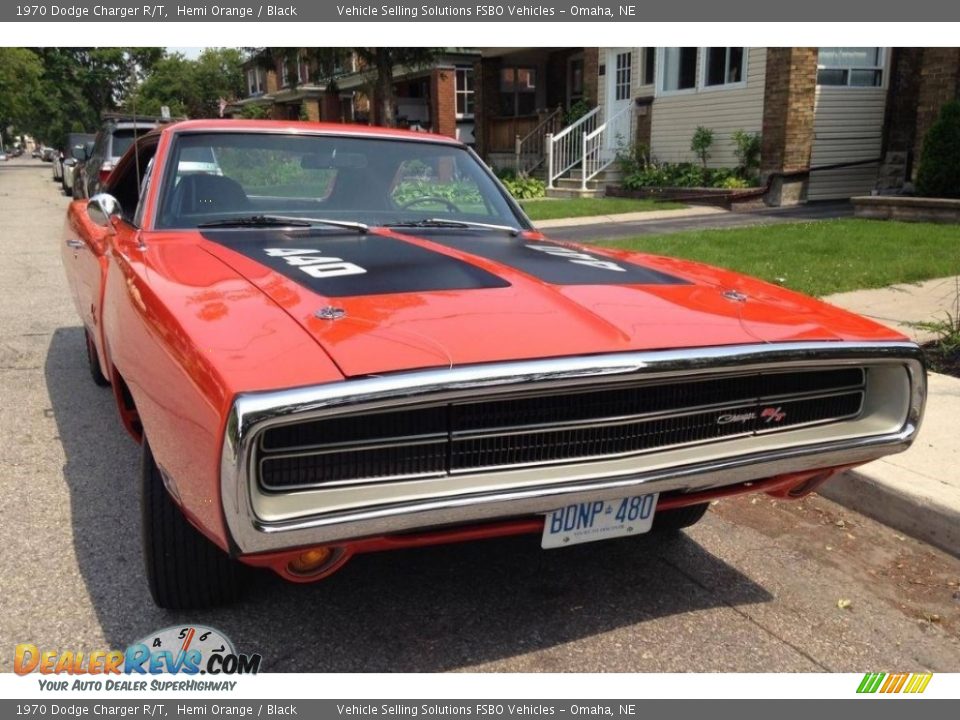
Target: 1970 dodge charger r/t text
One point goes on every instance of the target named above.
(331, 340)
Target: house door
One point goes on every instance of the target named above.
(617, 114)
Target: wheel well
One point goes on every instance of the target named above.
(127, 406)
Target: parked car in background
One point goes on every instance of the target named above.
(341, 339)
(115, 136)
(76, 153)
(48, 154)
(3, 156)
(58, 157)
(37, 152)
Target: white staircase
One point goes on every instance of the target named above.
(581, 157)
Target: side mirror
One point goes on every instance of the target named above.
(102, 208)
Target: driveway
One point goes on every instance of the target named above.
(741, 218)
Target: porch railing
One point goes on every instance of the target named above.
(600, 146)
(529, 150)
(565, 148)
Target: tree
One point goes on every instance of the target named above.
(20, 73)
(75, 86)
(383, 60)
(380, 62)
(191, 88)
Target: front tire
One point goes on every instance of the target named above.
(184, 569)
(669, 521)
(93, 363)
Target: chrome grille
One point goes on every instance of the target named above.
(551, 427)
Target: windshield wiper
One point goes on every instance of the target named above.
(282, 221)
(443, 222)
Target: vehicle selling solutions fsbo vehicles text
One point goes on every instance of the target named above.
(437, 10)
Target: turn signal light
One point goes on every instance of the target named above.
(310, 561)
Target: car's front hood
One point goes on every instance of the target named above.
(385, 302)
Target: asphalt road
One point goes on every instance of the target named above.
(754, 587)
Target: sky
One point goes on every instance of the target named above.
(191, 52)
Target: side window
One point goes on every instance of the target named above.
(130, 185)
(144, 187)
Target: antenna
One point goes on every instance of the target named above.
(136, 139)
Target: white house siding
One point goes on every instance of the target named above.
(847, 127)
(676, 117)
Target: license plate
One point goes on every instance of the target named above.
(598, 520)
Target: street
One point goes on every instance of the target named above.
(759, 585)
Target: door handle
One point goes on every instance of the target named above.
(75, 244)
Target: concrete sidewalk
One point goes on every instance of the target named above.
(918, 491)
(649, 215)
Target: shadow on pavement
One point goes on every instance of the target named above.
(425, 610)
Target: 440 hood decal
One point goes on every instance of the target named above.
(337, 265)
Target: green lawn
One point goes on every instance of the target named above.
(819, 258)
(585, 207)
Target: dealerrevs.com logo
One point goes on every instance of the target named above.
(179, 650)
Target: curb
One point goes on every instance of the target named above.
(932, 522)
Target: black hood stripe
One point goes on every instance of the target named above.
(551, 262)
(337, 265)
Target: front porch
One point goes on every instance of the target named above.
(524, 93)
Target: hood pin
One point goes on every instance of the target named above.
(330, 313)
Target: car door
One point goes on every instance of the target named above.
(85, 246)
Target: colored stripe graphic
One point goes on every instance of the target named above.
(892, 683)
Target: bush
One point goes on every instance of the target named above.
(461, 193)
(640, 171)
(522, 187)
(939, 171)
(747, 150)
(576, 111)
(700, 143)
(683, 175)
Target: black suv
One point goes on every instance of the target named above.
(113, 139)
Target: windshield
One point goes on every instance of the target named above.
(373, 181)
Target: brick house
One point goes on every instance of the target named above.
(438, 97)
(835, 122)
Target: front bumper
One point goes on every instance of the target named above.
(260, 521)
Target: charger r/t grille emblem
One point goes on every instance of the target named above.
(772, 414)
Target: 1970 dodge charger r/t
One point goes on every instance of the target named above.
(331, 340)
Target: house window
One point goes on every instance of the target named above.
(518, 91)
(464, 90)
(679, 69)
(723, 66)
(255, 82)
(575, 79)
(284, 73)
(621, 83)
(303, 72)
(649, 65)
(850, 67)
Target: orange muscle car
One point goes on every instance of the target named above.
(331, 340)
